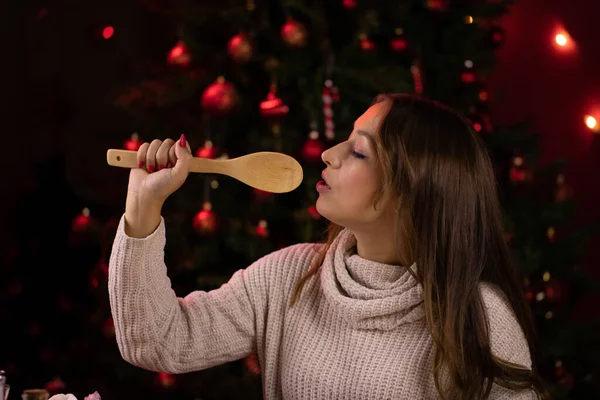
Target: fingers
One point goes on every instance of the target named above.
(162, 154)
(151, 155)
(173, 152)
(141, 154)
(172, 156)
(182, 149)
(183, 153)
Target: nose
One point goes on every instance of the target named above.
(324, 157)
(329, 158)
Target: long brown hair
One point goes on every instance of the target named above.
(450, 223)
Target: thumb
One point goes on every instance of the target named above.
(183, 152)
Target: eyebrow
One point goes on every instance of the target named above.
(367, 135)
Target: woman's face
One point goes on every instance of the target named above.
(354, 176)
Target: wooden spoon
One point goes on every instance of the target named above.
(268, 171)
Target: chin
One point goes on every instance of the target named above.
(323, 210)
(319, 208)
(326, 213)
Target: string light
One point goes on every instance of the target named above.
(518, 161)
(546, 276)
(540, 296)
(592, 123)
(561, 39)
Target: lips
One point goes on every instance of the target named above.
(325, 180)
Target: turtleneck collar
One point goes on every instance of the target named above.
(369, 294)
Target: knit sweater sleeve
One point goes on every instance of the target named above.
(507, 340)
(159, 331)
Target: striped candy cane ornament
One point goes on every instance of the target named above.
(328, 93)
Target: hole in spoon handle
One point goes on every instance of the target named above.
(122, 158)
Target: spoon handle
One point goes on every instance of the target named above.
(128, 159)
(122, 158)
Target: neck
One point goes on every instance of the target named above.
(379, 246)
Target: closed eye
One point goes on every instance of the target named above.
(358, 155)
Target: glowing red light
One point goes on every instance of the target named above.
(108, 32)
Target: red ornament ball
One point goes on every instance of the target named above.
(312, 211)
(179, 55)
(82, 222)
(220, 98)
(240, 48)
(108, 328)
(261, 194)
(468, 76)
(484, 95)
(165, 380)
(519, 175)
(56, 385)
(366, 44)
(207, 151)
(437, 5)
(565, 378)
(262, 229)
(481, 122)
(518, 172)
(133, 143)
(529, 295)
(252, 364)
(496, 37)
(313, 148)
(399, 42)
(99, 275)
(205, 221)
(273, 107)
(556, 291)
(294, 34)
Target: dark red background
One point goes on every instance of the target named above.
(554, 89)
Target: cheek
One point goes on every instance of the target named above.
(360, 189)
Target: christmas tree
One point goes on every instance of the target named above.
(291, 77)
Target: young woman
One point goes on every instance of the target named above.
(413, 296)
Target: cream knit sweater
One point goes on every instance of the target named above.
(357, 332)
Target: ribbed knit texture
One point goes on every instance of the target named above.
(357, 332)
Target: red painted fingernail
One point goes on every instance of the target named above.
(151, 168)
(182, 140)
(169, 164)
(160, 167)
(141, 164)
